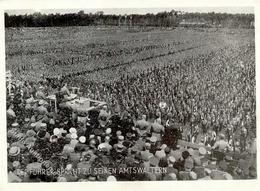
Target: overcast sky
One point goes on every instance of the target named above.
(138, 10)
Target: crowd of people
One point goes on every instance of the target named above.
(190, 121)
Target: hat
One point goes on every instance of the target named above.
(202, 151)
(68, 149)
(98, 132)
(228, 158)
(91, 136)
(14, 151)
(74, 136)
(145, 156)
(72, 130)
(33, 125)
(82, 139)
(119, 146)
(27, 119)
(167, 150)
(111, 178)
(13, 177)
(171, 159)
(108, 130)
(129, 134)
(160, 154)
(16, 164)
(30, 133)
(191, 151)
(61, 179)
(154, 161)
(34, 166)
(207, 171)
(188, 164)
(163, 146)
(228, 176)
(120, 137)
(56, 131)
(15, 124)
(171, 176)
(193, 175)
(153, 139)
(118, 133)
(52, 122)
(74, 142)
(43, 125)
(41, 102)
(30, 141)
(68, 166)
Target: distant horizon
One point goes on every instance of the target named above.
(141, 11)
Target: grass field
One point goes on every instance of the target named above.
(32, 52)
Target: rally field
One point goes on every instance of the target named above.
(109, 52)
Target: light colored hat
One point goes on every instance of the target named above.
(74, 136)
(207, 171)
(27, 119)
(43, 125)
(74, 142)
(52, 122)
(15, 124)
(111, 178)
(227, 176)
(118, 133)
(82, 139)
(108, 130)
(72, 130)
(171, 159)
(61, 179)
(154, 161)
(119, 146)
(153, 139)
(68, 149)
(191, 151)
(30, 141)
(91, 136)
(16, 164)
(193, 175)
(41, 102)
(33, 166)
(14, 151)
(202, 151)
(121, 137)
(68, 166)
(33, 125)
(30, 133)
(163, 146)
(173, 176)
(56, 131)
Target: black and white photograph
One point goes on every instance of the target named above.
(130, 94)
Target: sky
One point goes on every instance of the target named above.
(122, 11)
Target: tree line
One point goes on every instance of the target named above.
(161, 19)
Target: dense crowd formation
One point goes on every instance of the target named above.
(184, 121)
